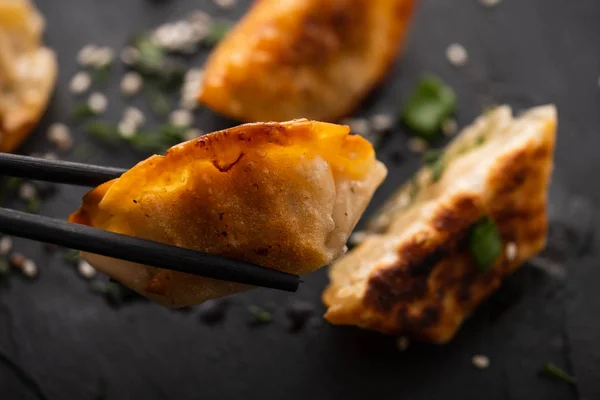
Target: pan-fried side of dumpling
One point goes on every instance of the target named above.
(311, 59)
(27, 71)
(417, 273)
(282, 195)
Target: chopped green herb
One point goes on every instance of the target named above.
(479, 141)
(71, 256)
(4, 268)
(471, 146)
(100, 74)
(156, 65)
(437, 170)
(551, 370)
(111, 290)
(414, 190)
(103, 131)
(485, 243)
(434, 158)
(82, 111)
(159, 102)
(430, 104)
(259, 316)
(33, 205)
(175, 132)
(217, 31)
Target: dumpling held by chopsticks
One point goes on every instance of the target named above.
(282, 195)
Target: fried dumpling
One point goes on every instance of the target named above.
(313, 59)
(282, 195)
(417, 272)
(27, 71)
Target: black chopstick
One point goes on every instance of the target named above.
(56, 171)
(129, 248)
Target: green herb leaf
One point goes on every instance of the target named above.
(434, 159)
(103, 131)
(485, 243)
(101, 74)
(33, 205)
(217, 31)
(437, 170)
(159, 102)
(432, 156)
(414, 190)
(82, 111)
(551, 370)
(71, 256)
(430, 104)
(259, 316)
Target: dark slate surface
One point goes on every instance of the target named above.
(60, 341)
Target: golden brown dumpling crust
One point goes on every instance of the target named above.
(414, 275)
(282, 195)
(311, 59)
(27, 71)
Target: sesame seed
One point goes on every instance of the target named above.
(131, 83)
(192, 134)
(359, 126)
(449, 127)
(480, 361)
(417, 145)
(130, 55)
(489, 3)
(345, 249)
(382, 122)
(199, 17)
(27, 191)
(80, 82)
(98, 103)
(60, 135)
(102, 57)
(85, 269)
(6, 244)
(29, 268)
(225, 3)
(511, 251)
(86, 54)
(127, 129)
(457, 55)
(50, 156)
(358, 237)
(181, 118)
(402, 343)
(134, 115)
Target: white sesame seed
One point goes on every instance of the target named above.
(50, 156)
(98, 103)
(85, 269)
(480, 361)
(6, 244)
(345, 249)
(27, 191)
(457, 55)
(29, 268)
(402, 343)
(382, 122)
(358, 237)
(417, 145)
(131, 83)
(127, 129)
(192, 134)
(102, 57)
(181, 118)
(130, 55)
(359, 126)
(86, 54)
(511, 251)
(80, 82)
(194, 74)
(200, 17)
(449, 127)
(134, 115)
(60, 135)
(489, 3)
(225, 3)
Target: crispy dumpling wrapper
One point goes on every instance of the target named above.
(414, 275)
(282, 195)
(313, 59)
(27, 71)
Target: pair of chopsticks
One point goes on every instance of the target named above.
(124, 247)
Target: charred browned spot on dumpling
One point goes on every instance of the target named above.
(160, 283)
(226, 166)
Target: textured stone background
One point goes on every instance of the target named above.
(60, 341)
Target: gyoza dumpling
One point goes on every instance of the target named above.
(313, 59)
(282, 195)
(419, 271)
(27, 71)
